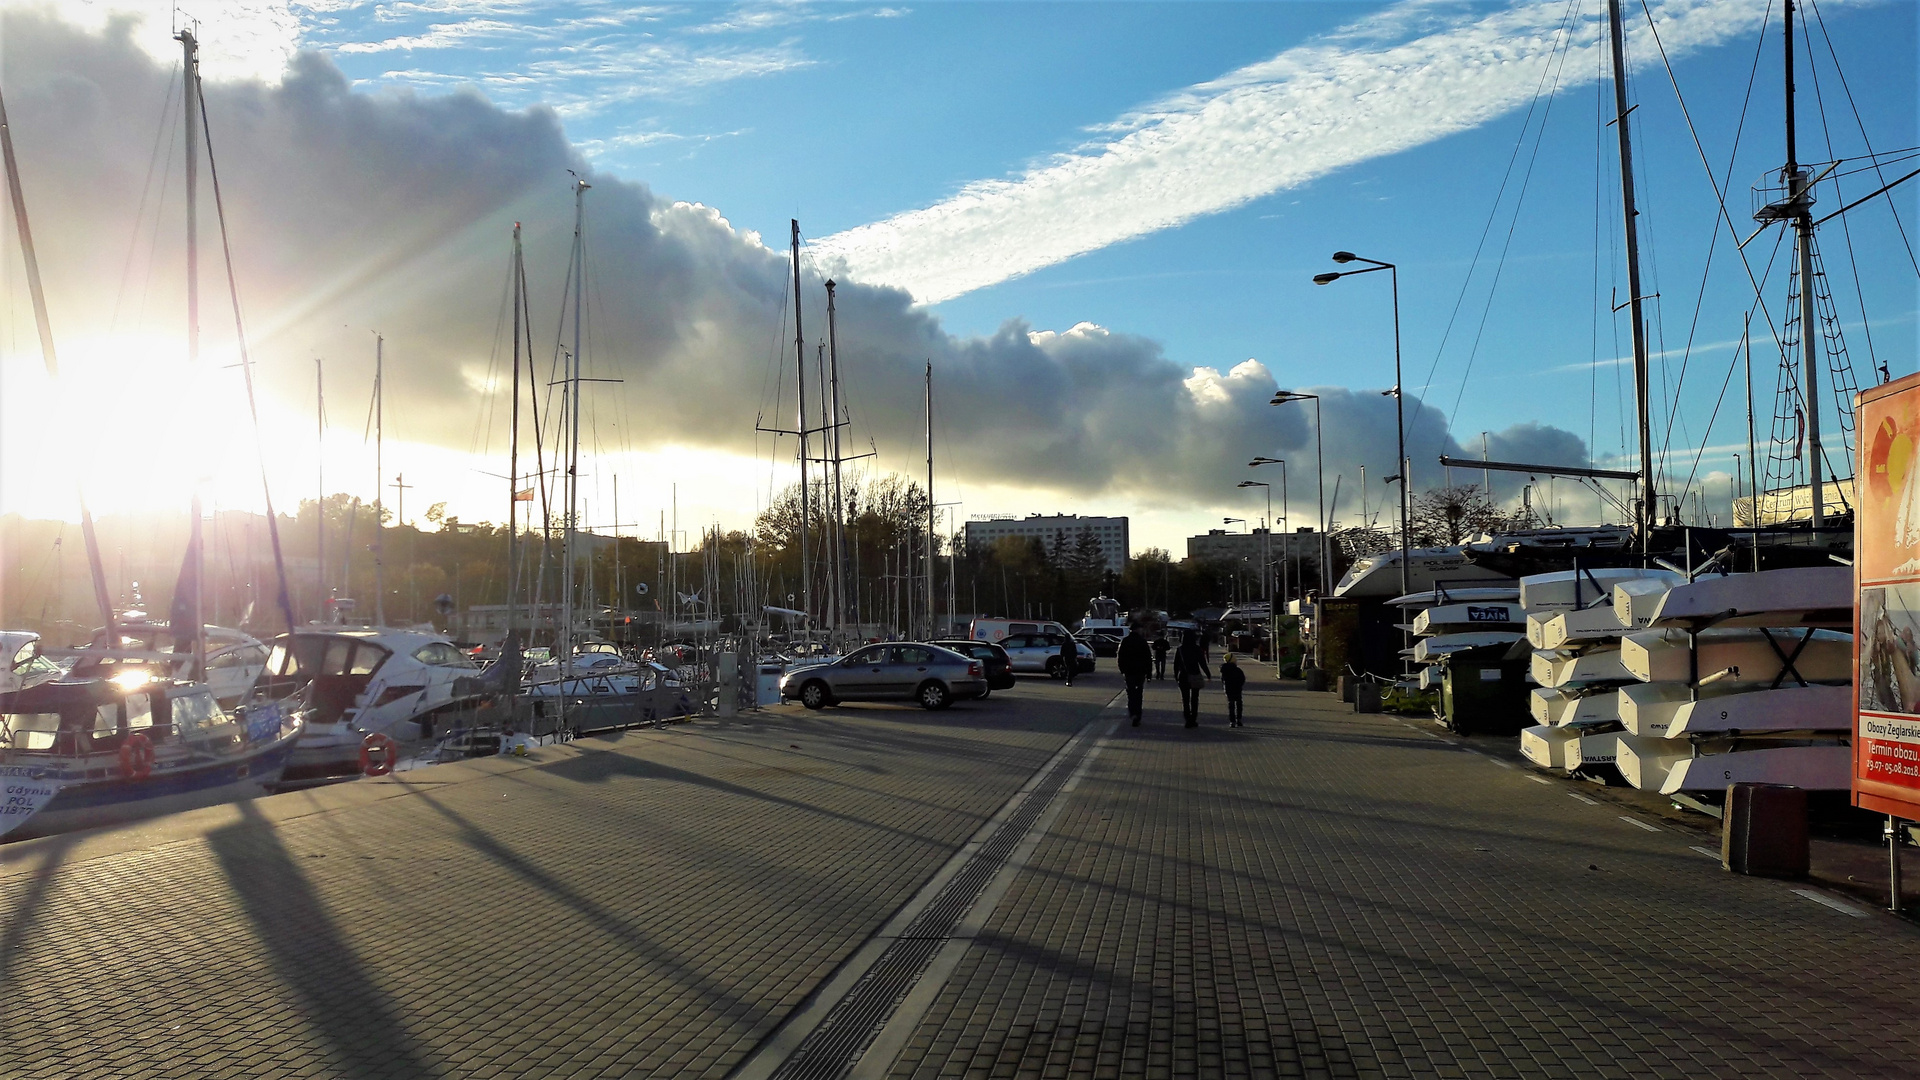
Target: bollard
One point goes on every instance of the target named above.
(1764, 831)
(1316, 679)
(1345, 684)
(1366, 697)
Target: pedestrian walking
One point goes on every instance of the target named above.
(1190, 670)
(1160, 657)
(1069, 658)
(1233, 680)
(1135, 661)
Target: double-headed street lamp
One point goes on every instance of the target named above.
(1320, 469)
(1399, 405)
(1266, 562)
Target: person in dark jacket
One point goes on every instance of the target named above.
(1233, 680)
(1191, 672)
(1160, 657)
(1069, 658)
(1135, 661)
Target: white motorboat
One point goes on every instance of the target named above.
(1546, 746)
(1468, 618)
(26, 664)
(1645, 762)
(1747, 655)
(235, 659)
(1564, 629)
(1567, 667)
(1797, 597)
(1466, 594)
(77, 754)
(1565, 590)
(364, 681)
(1573, 708)
(1814, 768)
(1429, 649)
(1378, 576)
(1790, 708)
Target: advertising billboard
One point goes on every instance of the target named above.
(1886, 574)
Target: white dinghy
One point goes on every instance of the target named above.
(1635, 601)
(1470, 618)
(1566, 629)
(1572, 708)
(1815, 768)
(1645, 762)
(1429, 649)
(1565, 667)
(1801, 596)
(1790, 708)
(1746, 654)
(1566, 590)
(1547, 746)
(1469, 594)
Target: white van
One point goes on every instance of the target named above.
(996, 629)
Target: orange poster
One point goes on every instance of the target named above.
(1886, 665)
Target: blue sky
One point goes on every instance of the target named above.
(1038, 135)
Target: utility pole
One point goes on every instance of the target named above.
(379, 477)
(320, 480)
(931, 631)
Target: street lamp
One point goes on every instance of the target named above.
(1266, 560)
(1320, 469)
(1286, 544)
(1399, 404)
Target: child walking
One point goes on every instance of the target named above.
(1233, 679)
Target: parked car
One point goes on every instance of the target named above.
(928, 674)
(1103, 640)
(993, 659)
(1040, 653)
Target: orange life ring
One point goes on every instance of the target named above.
(378, 754)
(136, 756)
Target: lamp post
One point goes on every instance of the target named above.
(1266, 564)
(1399, 404)
(1320, 471)
(1286, 544)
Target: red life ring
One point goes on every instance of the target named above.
(136, 756)
(378, 754)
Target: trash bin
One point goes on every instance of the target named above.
(1763, 831)
(1366, 697)
(1482, 692)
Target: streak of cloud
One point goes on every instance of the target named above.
(1365, 92)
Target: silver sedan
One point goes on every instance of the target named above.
(928, 674)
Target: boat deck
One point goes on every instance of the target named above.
(1044, 891)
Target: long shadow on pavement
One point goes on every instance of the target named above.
(357, 1018)
(20, 919)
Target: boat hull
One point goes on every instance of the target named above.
(87, 803)
(1815, 768)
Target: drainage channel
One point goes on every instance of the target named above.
(838, 1041)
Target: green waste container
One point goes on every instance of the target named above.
(1483, 691)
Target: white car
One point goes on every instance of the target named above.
(1040, 654)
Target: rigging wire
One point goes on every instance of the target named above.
(167, 127)
(1892, 206)
(1846, 231)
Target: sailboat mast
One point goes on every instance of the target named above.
(839, 503)
(1649, 509)
(800, 374)
(320, 479)
(379, 480)
(513, 456)
(931, 629)
(573, 432)
(1800, 191)
(190, 86)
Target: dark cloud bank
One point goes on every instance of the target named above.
(353, 210)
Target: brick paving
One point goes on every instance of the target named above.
(1318, 894)
(648, 905)
(1326, 894)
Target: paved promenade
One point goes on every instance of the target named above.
(1018, 887)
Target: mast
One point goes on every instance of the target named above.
(190, 88)
(320, 479)
(379, 481)
(839, 505)
(1649, 510)
(931, 629)
(513, 466)
(1800, 203)
(800, 374)
(573, 435)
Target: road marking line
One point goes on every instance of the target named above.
(1826, 901)
(1708, 852)
(1541, 780)
(1582, 798)
(1642, 824)
(1502, 764)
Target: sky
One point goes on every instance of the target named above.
(1098, 221)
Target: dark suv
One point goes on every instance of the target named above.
(992, 657)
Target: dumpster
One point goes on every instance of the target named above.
(1483, 692)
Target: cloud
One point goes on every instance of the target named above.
(352, 211)
(1363, 93)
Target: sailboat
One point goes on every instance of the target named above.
(84, 752)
